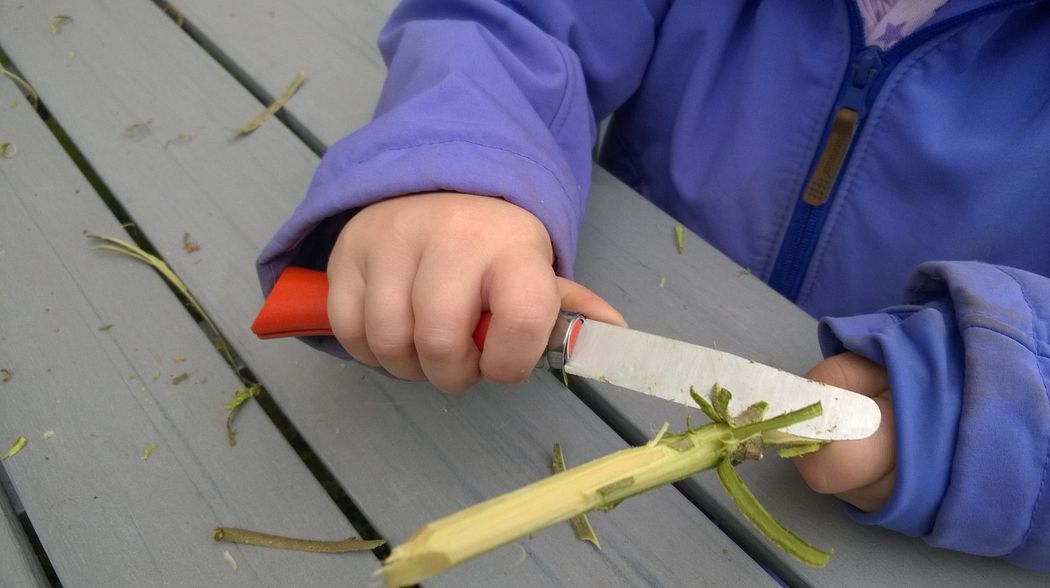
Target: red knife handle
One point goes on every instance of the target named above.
(298, 307)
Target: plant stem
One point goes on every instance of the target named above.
(245, 537)
(599, 484)
(602, 484)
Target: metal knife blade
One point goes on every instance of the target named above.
(666, 368)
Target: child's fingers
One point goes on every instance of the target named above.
(873, 496)
(856, 468)
(389, 322)
(577, 298)
(346, 311)
(852, 372)
(843, 466)
(523, 299)
(446, 313)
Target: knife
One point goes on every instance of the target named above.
(642, 362)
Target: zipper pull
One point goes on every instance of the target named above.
(865, 67)
(853, 105)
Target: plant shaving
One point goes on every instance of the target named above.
(229, 559)
(250, 389)
(175, 15)
(188, 245)
(5, 375)
(581, 525)
(148, 451)
(48, 434)
(105, 328)
(30, 93)
(58, 21)
(245, 537)
(176, 380)
(8, 150)
(136, 130)
(679, 238)
(272, 109)
(234, 406)
(180, 139)
(15, 448)
(132, 250)
(753, 511)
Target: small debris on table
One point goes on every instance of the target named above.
(48, 434)
(8, 149)
(136, 130)
(148, 451)
(679, 238)
(175, 381)
(34, 99)
(229, 559)
(234, 406)
(5, 375)
(15, 448)
(188, 245)
(175, 15)
(58, 21)
(272, 109)
(105, 328)
(180, 139)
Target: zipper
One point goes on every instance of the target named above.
(868, 69)
(850, 111)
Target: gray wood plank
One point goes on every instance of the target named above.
(707, 299)
(406, 453)
(105, 515)
(626, 249)
(18, 563)
(333, 41)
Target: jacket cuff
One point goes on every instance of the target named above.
(969, 371)
(920, 348)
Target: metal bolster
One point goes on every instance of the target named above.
(558, 344)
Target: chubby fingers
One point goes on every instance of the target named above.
(446, 313)
(523, 298)
(860, 471)
(389, 316)
(346, 308)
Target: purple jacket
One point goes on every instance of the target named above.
(724, 112)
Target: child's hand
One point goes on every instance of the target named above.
(860, 472)
(409, 277)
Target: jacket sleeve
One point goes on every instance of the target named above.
(969, 372)
(487, 97)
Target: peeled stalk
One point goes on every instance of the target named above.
(599, 484)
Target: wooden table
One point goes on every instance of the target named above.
(131, 140)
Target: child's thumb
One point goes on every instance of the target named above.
(576, 298)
